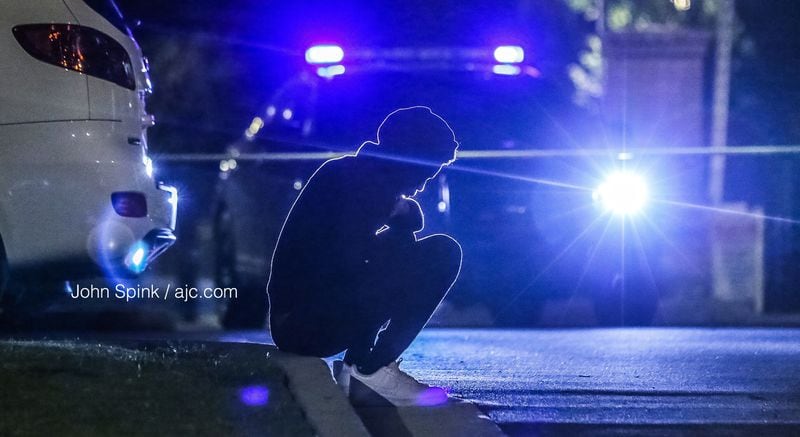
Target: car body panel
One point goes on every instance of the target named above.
(53, 189)
(58, 168)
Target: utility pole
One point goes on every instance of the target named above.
(721, 98)
(737, 265)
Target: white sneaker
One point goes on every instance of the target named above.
(341, 373)
(400, 388)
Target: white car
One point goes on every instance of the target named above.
(77, 192)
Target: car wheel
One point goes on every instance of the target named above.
(626, 301)
(248, 308)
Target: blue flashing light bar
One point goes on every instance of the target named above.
(330, 71)
(324, 54)
(509, 54)
(506, 70)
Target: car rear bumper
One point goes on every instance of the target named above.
(56, 213)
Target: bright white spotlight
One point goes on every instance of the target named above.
(324, 54)
(509, 54)
(622, 193)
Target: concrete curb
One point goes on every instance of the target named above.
(325, 405)
(330, 413)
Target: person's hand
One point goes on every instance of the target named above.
(406, 216)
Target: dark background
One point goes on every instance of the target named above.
(215, 64)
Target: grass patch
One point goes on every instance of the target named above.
(73, 388)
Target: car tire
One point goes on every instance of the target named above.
(248, 309)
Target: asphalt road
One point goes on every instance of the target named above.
(610, 381)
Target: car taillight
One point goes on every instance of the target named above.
(78, 48)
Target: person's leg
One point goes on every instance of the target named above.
(369, 312)
(309, 316)
(360, 344)
(308, 333)
(413, 285)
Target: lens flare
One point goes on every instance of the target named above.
(254, 395)
(136, 261)
(622, 193)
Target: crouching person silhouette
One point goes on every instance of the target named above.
(348, 273)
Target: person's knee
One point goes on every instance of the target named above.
(442, 251)
(442, 248)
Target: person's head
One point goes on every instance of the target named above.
(419, 143)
